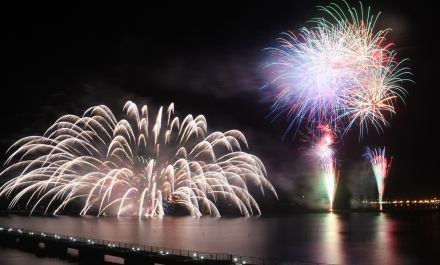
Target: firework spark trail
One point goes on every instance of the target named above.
(339, 71)
(381, 165)
(323, 150)
(133, 166)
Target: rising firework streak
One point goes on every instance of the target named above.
(325, 154)
(381, 165)
(138, 165)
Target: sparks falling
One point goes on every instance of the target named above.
(323, 150)
(381, 165)
(133, 166)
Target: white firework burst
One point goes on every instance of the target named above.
(133, 166)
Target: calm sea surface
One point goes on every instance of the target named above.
(350, 238)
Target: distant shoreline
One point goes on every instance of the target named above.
(268, 214)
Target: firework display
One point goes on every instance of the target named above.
(381, 165)
(138, 165)
(337, 71)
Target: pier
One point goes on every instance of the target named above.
(95, 251)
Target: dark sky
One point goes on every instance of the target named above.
(207, 59)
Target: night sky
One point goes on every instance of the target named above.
(208, 59)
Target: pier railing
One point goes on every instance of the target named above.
(149, 250)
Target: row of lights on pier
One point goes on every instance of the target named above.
(109, 245)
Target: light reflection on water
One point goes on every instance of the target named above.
(331, 243)
(385, 240)
(354, 238)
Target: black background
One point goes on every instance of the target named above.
(207, 59)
